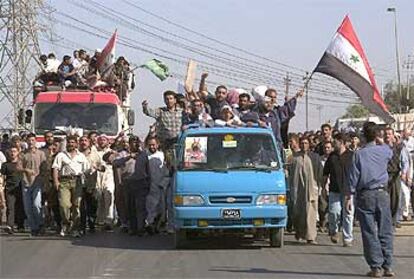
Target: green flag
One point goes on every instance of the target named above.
(157, 68)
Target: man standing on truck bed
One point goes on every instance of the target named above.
(169, 122)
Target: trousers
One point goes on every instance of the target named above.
(404, 209)
(70, 195)
(32, 201)
(374, 215)
(88, 210)
(340, 217)
(137, 195)
(15, 209)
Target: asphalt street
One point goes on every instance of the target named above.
(117, 255)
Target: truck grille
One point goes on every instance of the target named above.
(221, 222)
(230, 199)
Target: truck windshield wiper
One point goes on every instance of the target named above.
(53, 130)
(256, 168)
(204, 169)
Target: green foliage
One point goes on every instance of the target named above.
(356, 111)
(397, 103)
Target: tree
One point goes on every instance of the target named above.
(397, 103)
(356, 111)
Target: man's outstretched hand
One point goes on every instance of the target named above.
(300, 93)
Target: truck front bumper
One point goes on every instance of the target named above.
(212, 218)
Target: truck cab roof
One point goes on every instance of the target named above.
(76, 96)
(195, 129)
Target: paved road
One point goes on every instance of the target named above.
(111, 254)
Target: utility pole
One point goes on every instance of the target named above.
(19, 54)
(306, 79)
(409, 67)
(287, 81)
(397, 55)
(319, 108)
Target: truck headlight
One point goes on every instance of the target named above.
(188, 200)
(271, 200)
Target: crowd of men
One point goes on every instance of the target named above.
(80, 183)
(75, 184)
(85, 71)
(319, 170)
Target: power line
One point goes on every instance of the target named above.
(126, 43)
(222, 43)
(209, 38)
(249, 73)
(108, 13)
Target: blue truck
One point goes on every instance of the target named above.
(229, 180)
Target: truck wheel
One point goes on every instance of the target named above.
(276, 237)
(180, 238)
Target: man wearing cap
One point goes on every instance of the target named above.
(68, 169)
(227, 118)
(105, 186)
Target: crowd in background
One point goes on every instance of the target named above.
(77, 184)
(318, 171)
(80, 183)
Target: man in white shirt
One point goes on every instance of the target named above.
(81, 66)
(160, 179)
(2, 211)
(68, 177)
(105, 187)
(408, 141)
(52, 64)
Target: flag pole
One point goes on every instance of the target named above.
(307, 78)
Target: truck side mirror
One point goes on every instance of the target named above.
(131, 117)
(29, 115)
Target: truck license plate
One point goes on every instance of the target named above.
(231, 214)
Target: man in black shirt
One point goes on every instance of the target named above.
(326, 131)
(137, 185)
(337, 169)
(217, 102)
(13, 191)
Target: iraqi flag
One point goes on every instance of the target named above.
(107, 57)
(345, 60)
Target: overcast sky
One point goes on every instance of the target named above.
(292, 32)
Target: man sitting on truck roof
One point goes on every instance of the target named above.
(52, 63)
(67, 73)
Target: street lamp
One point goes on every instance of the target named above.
(397, 55)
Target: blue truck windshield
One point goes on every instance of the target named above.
(229, 152)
